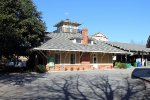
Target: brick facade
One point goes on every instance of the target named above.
(83, 62)
(84, 36)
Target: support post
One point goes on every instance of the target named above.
(102, 56)
(126, 58)
(36, 60)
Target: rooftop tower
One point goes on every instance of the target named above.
(67, 26)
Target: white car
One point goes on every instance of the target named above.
(10, 64)
(16, 64)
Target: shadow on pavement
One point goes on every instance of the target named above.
(19, 78)
(98, 88)
(82, 87)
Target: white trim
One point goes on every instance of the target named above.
(68, 64)
(57, 49)
(80, 51)
(102, 64)
(89, 64)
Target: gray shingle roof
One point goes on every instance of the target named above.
(62, 42)
(129, 47)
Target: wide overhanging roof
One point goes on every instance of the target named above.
(62, 42)
(129, 47)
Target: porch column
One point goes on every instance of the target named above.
(121, 58)
(126, 58)
(36, 60)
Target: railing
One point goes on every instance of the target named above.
(69, 31)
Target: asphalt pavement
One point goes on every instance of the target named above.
(114, 84)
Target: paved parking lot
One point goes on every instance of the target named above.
(115, 84)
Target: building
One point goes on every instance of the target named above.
(69, 48)
(137, 53)
(100, 36)
(67, 26)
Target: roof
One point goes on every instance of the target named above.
(99, 34)
(129, 47)
(62, 42)
(67, 21)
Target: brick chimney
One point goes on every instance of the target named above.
(84, 36)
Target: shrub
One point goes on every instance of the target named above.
(41, 69)
(120, 65)
(3, 60)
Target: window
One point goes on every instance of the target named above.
(90, 42)
(73, 58)
(78, 40)
(94, 58)
(57, 58)
(68, 30)
(72, 30)
(73, 40)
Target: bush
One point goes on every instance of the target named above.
(41, 69)
(120, 65)
(3, 60)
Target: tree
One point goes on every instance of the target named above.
(148, 42)
(21, 26)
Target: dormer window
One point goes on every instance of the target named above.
(78, 41)
(90, 42)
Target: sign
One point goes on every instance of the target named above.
(113, 57)
(50, 61)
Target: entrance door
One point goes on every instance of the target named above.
(95, 61)
(85, 58)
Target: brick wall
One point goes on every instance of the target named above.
(85, 58)
(84, 36)
(82, 62)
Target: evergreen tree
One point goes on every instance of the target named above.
(21, 26)
(148, 42)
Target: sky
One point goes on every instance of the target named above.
(120, 20)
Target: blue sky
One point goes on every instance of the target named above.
(120, 20)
